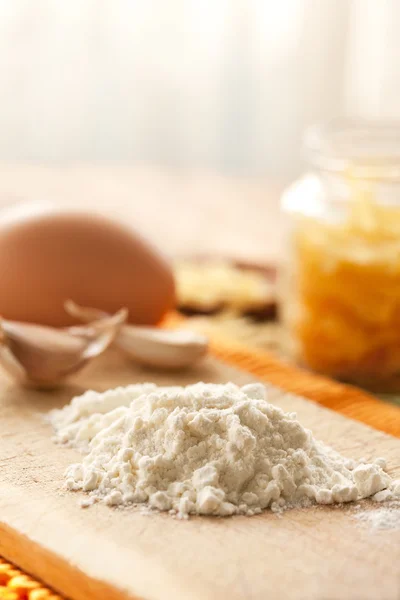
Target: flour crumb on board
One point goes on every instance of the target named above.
(205, 449)
(382, 518)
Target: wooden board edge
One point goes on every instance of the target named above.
(54, 571)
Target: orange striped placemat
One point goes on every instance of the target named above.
(16, 585)
(347, 400)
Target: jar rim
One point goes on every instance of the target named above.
(366, 149)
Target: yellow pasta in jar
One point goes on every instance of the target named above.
(345, 317)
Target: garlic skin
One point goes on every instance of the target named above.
(42, 357)
(151, 346)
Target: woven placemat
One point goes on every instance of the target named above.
(347, 400)
(265, 336)
(17, 585)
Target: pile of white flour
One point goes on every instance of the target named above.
(205, 449)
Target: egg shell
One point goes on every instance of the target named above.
(49, 254)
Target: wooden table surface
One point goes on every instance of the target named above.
(320, 553)
(183, 212)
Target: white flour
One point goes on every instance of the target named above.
(205, 449)
(386, 517)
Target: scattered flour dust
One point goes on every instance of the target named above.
(385, 517)
(205, 449)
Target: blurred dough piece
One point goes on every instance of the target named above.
(209, 287)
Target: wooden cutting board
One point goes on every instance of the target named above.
(321, 553)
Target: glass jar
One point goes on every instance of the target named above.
(341, 280)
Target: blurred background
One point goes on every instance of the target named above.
(185, 119)
(221, 85)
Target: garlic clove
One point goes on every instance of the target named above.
(149, 345)
(42, 356)
(84, 313)
(100, 332)
(161, 348)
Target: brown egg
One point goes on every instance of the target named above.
(48, 255)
